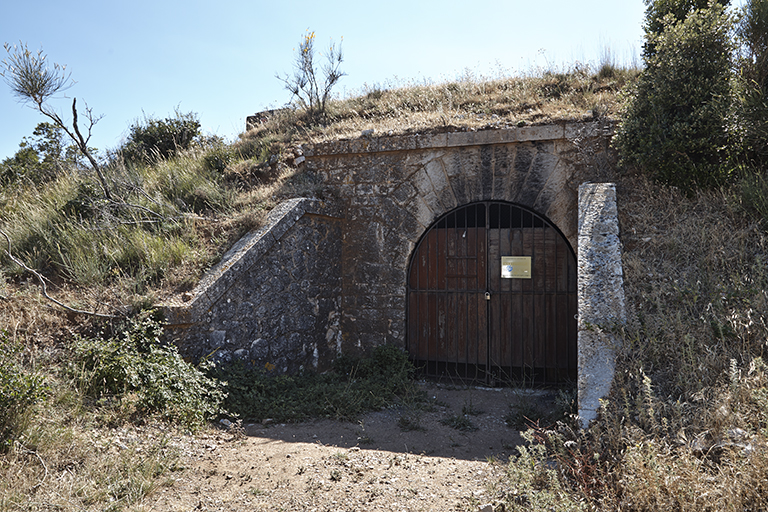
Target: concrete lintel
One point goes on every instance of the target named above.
(448, 140)
(600, 294)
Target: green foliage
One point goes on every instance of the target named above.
(32, 79)
(136, 367)
(30, 76)
(68, 229)
(675, 124)
(659, 13)
(460, 422)
(218, 157)
(752, 83)
(752, 32)
(353, 387)
(23, 163)
(39, 159)
(19, 391)
(161, 138)
(752, 195)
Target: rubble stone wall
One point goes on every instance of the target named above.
(391, 190)
(274, 299)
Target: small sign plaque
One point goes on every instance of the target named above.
(515, 267)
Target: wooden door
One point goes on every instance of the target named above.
(467, 321)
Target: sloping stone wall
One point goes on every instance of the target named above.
(275, 298)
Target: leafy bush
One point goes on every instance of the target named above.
(161, 137)
(660, 12)
(752, 84)
(675, 123)
(353, 387)
(39, 159)
(137, 367)
(19, 391)
(218, 158)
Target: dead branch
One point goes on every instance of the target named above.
(39, 458)
(44, 288)
(83, 145)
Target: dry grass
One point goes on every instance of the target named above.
(685, 425)
(466, 104)
(66, 466)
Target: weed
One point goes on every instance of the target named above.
(353, 387)
(534, 481)
(20, 390)
(459, 422)
(410, 421)
(362, 437)
(469, 410)
(140, 372)
(523, 413)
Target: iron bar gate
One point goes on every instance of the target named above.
(492, 298)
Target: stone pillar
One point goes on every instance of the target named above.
(600, 292)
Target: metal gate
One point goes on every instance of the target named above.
(492, 298)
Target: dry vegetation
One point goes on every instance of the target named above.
(686, 426)
(470, 103)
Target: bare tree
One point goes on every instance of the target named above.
(33, 80)
(306, 85)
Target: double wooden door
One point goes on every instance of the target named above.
(472, 317)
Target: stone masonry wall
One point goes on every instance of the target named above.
(329, 277)
(274, 300)
(391, 189)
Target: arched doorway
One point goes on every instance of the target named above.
(492, 297)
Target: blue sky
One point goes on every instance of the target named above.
(219, 59)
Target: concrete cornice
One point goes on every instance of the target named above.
(381, 144)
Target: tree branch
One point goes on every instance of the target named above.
(83, 145)
(42, 284)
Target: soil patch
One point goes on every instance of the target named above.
(382, 462)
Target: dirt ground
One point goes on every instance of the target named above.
(382, 462)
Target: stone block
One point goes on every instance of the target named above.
(544, 132)
(600, 294)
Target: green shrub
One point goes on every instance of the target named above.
(19, 391)
(218, 158)
(660, 13)
(752, 84)
(161, 137)
(135, 366)
(40, 159)
(353, 387)
(675, 124)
